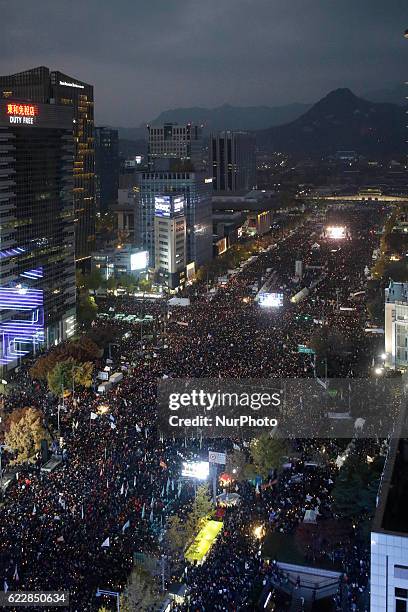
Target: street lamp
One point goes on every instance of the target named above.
(100, 592)
(378, 371)
(259, 532)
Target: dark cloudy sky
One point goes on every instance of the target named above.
(145, 56)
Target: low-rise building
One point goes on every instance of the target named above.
(389, 535)
(123, 259)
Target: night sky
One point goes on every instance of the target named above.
(145, 56)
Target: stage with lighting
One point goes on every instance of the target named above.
(270, 300)
(336, 232)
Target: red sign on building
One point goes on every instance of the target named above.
(22, 110)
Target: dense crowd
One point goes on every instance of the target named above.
(77, 528)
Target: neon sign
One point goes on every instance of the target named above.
(22, 110)
(20, 336)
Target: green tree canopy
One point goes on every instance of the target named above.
(237, 464)
(267, 454)
(87, 309)
(69, 373)
(356, 487)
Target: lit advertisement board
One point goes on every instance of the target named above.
(162, 206)
(139, 261)
(336, 232)
(23, 114)
(168, 206)
(196, 469)
(19, 113)
(178, 205)
(271, 300)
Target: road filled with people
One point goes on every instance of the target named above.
(77, 528)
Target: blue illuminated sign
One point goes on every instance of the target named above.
(162, 206)
(23, 335)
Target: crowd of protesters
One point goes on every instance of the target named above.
(77, 528)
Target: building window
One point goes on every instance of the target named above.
(401, 600)
(401, 571)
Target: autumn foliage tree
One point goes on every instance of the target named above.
(82, 350)
(142, 592)
(181, 531)
(24, 432)
(67, 374)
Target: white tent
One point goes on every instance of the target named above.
(339, 416)
(175, 301)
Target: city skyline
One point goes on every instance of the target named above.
(208, 55)
(204, 311)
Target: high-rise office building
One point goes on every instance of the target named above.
(106, 168)
(170, 239)
(40, 85)
(126, 211)
(196, 189)
(173, 141)
(37, 268)
(233, 161)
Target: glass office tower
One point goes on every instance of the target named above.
(41, 85)
(37, 268)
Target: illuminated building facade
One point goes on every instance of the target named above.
(170, 239)
(195, 187)
(37, 268)
(40, 85)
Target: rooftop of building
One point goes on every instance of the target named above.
(239, 201)
(391, 514)
(396, 292)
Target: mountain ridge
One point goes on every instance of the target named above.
(226, 116)
(340, 120)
